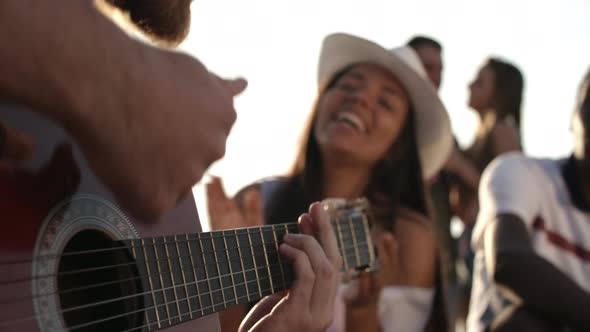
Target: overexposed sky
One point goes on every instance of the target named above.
(275, 45)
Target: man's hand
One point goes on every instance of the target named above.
(157, 138)
(149, 121)
(309, 305)
(224, 212)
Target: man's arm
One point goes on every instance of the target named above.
(126, 104)
(516, 268)
(61, 52)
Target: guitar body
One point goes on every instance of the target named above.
(53, 204)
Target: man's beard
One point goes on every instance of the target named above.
(165, 21)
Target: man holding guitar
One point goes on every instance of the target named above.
(149, 122)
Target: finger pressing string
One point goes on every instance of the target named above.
(304, 276)
(305, 224)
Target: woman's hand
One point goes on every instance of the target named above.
(362, 294)
(224, 212)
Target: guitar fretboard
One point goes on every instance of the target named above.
(192, 275)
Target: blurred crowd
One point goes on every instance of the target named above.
(376, 132)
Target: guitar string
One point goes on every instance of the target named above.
(162, 290)
(207, 293)
(189, 269)
(198, 236)
(197, 310)
(144, 245)
(169, 319)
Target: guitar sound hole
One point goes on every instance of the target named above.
(97, 287)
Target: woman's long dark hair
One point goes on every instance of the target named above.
(396, 181)
(508, 87)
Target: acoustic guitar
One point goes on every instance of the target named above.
(72, 258)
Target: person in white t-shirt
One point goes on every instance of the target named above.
(532, 239)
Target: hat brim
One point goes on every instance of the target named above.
(433, 129)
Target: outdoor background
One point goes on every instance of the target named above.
(275, 44)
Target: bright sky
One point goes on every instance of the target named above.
(275, 45)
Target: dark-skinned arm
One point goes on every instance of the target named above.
(516, 268)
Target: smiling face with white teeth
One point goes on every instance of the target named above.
(361, 114)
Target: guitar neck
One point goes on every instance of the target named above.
(192, 275)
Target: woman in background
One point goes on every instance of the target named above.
(378, 130)
(496, 97)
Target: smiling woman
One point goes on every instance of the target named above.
(343, 127)
(280, 65)
(377, 130)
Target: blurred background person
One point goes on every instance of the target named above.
(496, 97)
(532, 263)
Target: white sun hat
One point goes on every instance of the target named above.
(433, 129)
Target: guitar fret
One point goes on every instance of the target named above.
(255, 265)
(150, 311)
(273, 257)
(231, 272)
(289, 275)
(185, 280)
(172, 278)
(369, 240)
(218, 271)
(341, 245)
(224, 268)
(151, 264)
(162, 277)
(274, 235)
(356, 251)
(360, 252)
(272, 288)
(242, 264)
(207, 273)
(194, 268)
(249, 264)
(369, 243)
(184, 303)
(348, 243)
